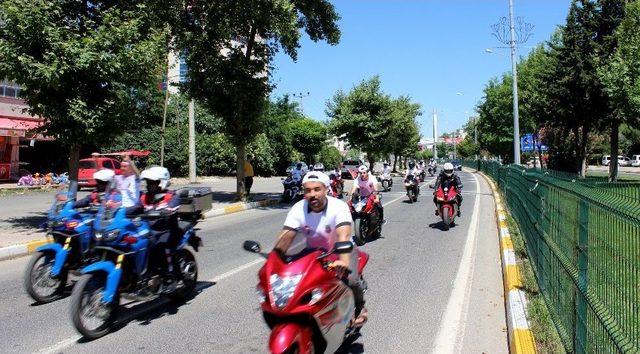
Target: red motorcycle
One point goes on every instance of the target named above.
(337, 186)
(305, 302)
(447, 200)
(367, 222)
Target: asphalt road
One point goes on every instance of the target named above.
(427, 288)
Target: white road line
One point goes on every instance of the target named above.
(58, 347)
(237, 270)
(451, 329)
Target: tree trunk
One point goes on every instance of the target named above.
(74, 159)
(615, 142)
(372, 161)
(395, 161)
(240, 157)
(583, 151)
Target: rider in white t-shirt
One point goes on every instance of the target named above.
(319, 221)
(367, 184)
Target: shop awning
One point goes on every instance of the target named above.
(17, 127)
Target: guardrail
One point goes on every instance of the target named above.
(583, 239)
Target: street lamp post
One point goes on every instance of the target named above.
(514, 70)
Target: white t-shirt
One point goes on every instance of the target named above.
(296, 174)
(316, 230)
(129, 189)
(366, 187)
(413, 171)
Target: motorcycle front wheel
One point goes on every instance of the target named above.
(360, 232)
(90, 315)
(446, 218)
(39, 283)
(410, 195)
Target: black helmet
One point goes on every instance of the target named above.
(412, 164)
(299, 165)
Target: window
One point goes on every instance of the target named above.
(9, 89)
(183, 68)
(107, 164)
(116, 164)
(87, 164)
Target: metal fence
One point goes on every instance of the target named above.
(583, 240)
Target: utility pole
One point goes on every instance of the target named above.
(192, 142)
(512, 32)
(514, 70)
(300, 96)
(435, 134)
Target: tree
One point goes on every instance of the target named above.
(495, 120)
(229, 47)
(85, 67)
(362, 116)
(330, 157)
(404, 132)
(278, 116)
(308, 137)
(620, 76)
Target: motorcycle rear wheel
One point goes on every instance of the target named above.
(86, 300)
(188, 266)
(410, 195)
(446, 219)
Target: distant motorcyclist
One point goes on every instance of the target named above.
(163, 204)
(297, 173)
(368, 185)
(386, 169)
(411, 170)
(321, 221)
(448, 175)
(104, 178)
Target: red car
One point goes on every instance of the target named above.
(88, 166)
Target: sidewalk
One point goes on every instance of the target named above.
(21, 214)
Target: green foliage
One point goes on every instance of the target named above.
(87, 70)
(330, 157)
(307, 136)
(404, 131)
(263, 153)
(467, 148)
(229, 47)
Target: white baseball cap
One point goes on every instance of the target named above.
(363, 169)
(317, 176)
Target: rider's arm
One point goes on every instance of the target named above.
(458, 182)
(285, 238)
(83, 203)
(290, 228)
(343, 228)
(355, 186)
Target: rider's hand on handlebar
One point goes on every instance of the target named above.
(339, 266)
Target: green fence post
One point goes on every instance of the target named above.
(580, 340)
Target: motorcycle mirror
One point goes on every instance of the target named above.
(343, 247)
(252, 246)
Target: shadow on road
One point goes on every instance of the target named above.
(439, 225)
(351, 346)
(146, 312)
(27, 222)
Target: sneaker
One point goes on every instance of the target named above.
(437, 212)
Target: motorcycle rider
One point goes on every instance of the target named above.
(320, 221)
(165, 228)
(297, 173)
(368, 185)
(448, 175)
(103, 179)
(386, 169)
(412, 170)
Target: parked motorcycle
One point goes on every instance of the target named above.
(306, 304)
(367, 222)
(412, 187)
(128, 266)
(70, 234)
(446, 198)
(337, 186)
(291, 190)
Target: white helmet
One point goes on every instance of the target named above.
(448, 169)
(363, 169)
(157, 173)
(104, 175)
(317, 176)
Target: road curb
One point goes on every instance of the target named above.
(30, 247)
(520, 336)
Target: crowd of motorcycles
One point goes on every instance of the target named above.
(112, 256)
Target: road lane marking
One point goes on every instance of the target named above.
(58, 347)
(452, 326)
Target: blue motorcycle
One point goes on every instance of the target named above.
(129, 267)
(70, 232)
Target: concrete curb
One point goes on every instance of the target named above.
(30, 247)
(520, 336)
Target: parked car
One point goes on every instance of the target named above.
(88, 166)
(635, 161)
(622, 160)
(349, 167)
(606, 159)
(457, 165)
(305, 167)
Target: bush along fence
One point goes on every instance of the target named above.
(583, 240)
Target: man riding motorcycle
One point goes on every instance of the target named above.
(448, 175)
(103, 179)
(165, 228)
(368, 185)
(321, 221)
(386, 169)
(412, 170)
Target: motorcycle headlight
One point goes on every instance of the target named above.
(282, 288)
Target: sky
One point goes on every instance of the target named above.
(431, 50)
